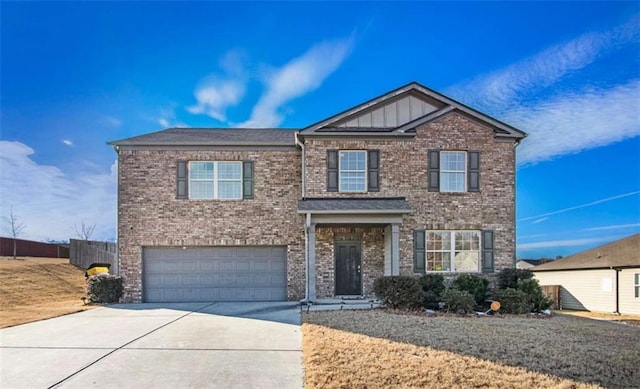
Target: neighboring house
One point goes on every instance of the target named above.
(410, 182)
(603, 279)
(529, 263)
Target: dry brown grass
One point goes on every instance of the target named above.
(381, 349)
(625, 319)
(39, 288)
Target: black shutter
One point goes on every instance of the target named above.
(182, 191)
(332, 170)
(373, 170)
(487, 251)
(434, 171)
(247, 179)
(473, 173)
(418, 251)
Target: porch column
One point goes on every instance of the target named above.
(395, 249)
(311, 266)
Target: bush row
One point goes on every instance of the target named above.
(518, 292)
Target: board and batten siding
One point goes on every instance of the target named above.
(591, 290)
(628, 303)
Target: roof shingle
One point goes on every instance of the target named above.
(356, 205)
(212, 137)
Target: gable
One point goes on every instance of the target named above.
(391, 114)
(399, 112)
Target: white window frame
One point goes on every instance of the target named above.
(443, 171)
(215, 180)
(636, 281)
(452, 251)
(340, 171)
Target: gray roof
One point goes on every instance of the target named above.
(621, 253)
(213, 137)
(354, 205)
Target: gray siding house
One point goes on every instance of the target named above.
(410, 182)
(603, 279)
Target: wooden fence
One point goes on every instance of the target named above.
(29, 248)
(553, 292)
(85, 252)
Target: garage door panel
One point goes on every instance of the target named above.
(215, 274)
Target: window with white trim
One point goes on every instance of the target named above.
(636, 285)
(353, 171)
(452, 251)
(215, 180)
(453, 171)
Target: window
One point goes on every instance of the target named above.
(637, 284)
(353, 171)
(453, 251)
(215, 180)
(453, 173)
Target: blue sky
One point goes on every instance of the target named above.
(76, 75)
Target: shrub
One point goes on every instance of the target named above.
(477, 286)
(537, 300)
(513, 301)
(432, 289)
(458, 301)
(398, 292)
(104, 288)
(508, 278)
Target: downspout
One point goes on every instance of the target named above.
(307, 220)
(117, 150)
(515, 175)
(617, 290)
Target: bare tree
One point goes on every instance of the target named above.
(84, 230)
(15, 228)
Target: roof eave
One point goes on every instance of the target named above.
(357, 211)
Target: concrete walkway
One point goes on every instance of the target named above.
(204, 345)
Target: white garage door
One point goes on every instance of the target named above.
(174, 274)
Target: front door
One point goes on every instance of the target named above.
(348, 273)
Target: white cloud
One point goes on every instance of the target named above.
(560, 118)
(67, 142)
(562, 243)
(111, 121)
(298, 77)
(539, 220)
(216, 93)
(590, 204)
(614, 227)
(574, 122)
(50, 201)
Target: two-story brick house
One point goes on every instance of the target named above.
(407, 183)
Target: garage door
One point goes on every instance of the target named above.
(215, 274)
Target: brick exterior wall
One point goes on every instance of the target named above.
(403, 173)
(150, 215)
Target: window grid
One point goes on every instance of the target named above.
(215, 180)
(353, 171)
(453, 171)
(637, 284)
(452, 251)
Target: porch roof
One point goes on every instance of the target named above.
(379, 205)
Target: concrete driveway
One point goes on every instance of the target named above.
(203, 345)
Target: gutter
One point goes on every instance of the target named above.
(307, 225)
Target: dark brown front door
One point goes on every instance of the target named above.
(348, 262)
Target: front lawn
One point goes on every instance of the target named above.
(377, 348)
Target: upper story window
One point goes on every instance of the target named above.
(353, 171)
(214, 180)
(454, 171)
